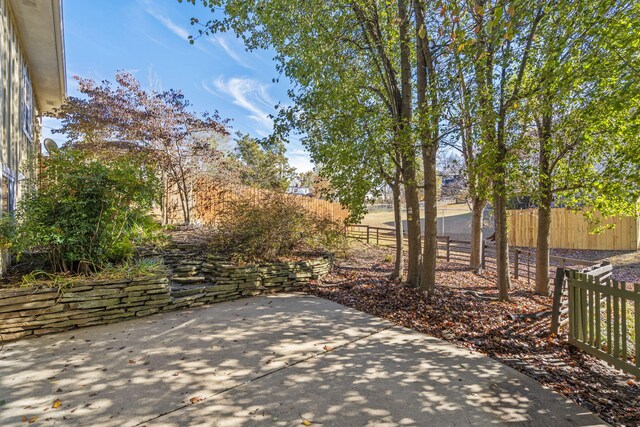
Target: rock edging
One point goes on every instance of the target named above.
(34, 312)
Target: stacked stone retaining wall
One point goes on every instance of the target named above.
(190, 282)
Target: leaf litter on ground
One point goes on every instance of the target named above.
(501, 330)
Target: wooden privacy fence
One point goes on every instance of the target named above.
(604, 319)
(570, 230)
(209, 200)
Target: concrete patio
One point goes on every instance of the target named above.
(266, 361)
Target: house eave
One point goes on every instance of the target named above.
(41, 34)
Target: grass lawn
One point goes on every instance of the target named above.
(385, 218)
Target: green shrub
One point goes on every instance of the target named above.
(271, 228)
(86, 213)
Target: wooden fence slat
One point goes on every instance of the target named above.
(585, 303)
(583, 311)
(570, 230)
(636, 307)
(616, 322)
(598, 307)
(558, 287)
(623, 323)
(591, 316)
(572, 303)
(609, 323)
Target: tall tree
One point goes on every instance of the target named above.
(581, 114)
(127, 118)
(362, 50)
(462, 114)
(264, 163)
(429, 88)
(497, 40)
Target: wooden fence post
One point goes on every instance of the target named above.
(558, 286)
(368, 237)
(448, 247)
(516, 263)
(484, 254)
(377, 236)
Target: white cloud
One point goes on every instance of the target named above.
(301, 162)
(218, 40)
(299, 152)
(248, 94)
(169, 24)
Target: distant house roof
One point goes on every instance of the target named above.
(41, 36)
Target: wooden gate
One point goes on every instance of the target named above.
(604, 319)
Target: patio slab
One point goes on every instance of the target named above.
(266, 361)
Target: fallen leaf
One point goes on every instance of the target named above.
(56, 404)
(33, 419)
(327, 348)
(306, 423)
(196, 399)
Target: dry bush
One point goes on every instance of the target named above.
(272, 227)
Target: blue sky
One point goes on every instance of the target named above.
(149, 39)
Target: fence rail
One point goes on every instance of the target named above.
(604, 319)
(522, 261)
(386, 236)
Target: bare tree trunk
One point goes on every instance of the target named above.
(542, 250)
(413, 223)
(429, 119)
(430, 254)
(183, 203)
(477, 209)
(408, 154)
(502, 244)
(544, 209)
(398, 267)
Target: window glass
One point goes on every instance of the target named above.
(27, 105)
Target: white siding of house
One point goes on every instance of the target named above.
(17, 150)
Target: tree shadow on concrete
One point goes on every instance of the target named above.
(268, 360)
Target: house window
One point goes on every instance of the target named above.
(27, 105)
